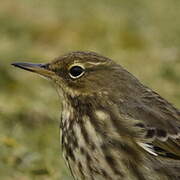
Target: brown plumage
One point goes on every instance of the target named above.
(112, 126)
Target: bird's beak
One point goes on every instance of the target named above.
(41, 69)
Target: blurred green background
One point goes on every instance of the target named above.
(141, 35)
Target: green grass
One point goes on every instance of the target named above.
(141, 35)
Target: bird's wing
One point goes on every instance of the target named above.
(161, 123)
(167, 146)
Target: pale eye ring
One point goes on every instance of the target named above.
(76, 71)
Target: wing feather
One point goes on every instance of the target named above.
(161, 123)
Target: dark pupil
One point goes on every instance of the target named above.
(76, 71)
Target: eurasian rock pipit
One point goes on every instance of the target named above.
(112, 126)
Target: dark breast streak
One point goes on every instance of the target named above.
(92, 143)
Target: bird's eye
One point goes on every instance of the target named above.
(76, 71)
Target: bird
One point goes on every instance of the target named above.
(112, 127)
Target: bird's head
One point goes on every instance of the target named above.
(77, 73)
